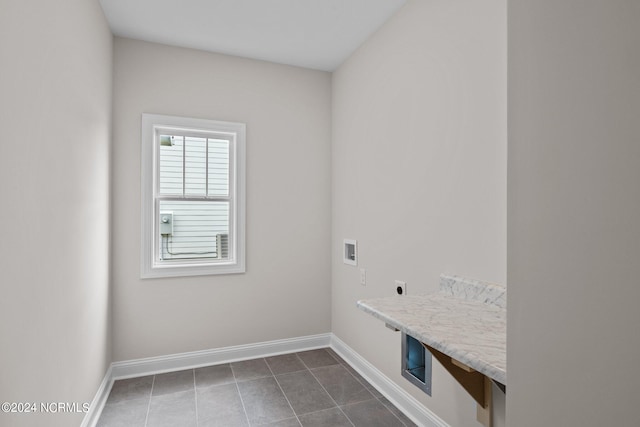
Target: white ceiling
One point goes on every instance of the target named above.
(318, 34)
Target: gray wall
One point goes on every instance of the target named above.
(55, 107)
(418, 177)
(419, 172)
(574, 211)
(286, 290)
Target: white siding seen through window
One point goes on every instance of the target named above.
(198, 167)
(193, 196)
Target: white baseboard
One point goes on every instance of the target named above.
(408, 404)
(417, 412)
(196, 359)
(95, 409)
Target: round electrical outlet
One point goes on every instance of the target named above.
(399, 290)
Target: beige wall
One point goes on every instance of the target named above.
(55, 107)
(574, 210)
(286, 290)
(419, 172)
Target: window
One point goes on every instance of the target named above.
(192, 196)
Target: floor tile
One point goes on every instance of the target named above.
(362, 381)
(264, 401)
(133, 388)
(316, 358)
(328, 418)
(371, 413)
(289, 422)
(372, 389)
(220, 406)
(355, 374)
(397, 412)
(234, 395)
(304, 392)
(341, 385)
(128, 413)
(231, 422)
(173, 382)
(250, 369)
(214, 375)
(336, 356)
(173, 410)
(285, 363)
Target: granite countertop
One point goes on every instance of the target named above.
(466, 320)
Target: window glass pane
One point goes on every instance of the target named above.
(170, 164)
(195, 166)
(200, 230)
(218, 167)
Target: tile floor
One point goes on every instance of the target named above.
(311, 389)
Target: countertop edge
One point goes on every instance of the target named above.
(489, 370)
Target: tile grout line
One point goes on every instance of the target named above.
(334, 401)
(195, 392)
(392, 413)
(325, 390)
(146, 418)
(365, 386)
(282, 391)
(235, 382)
(340, 362)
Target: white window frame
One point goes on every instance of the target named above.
(151, 266)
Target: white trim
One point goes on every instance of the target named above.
(99, 400)
(197, 359)
(409, 405)
(149, 267)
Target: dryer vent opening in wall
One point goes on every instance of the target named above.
(416, 363)
(350, 252)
